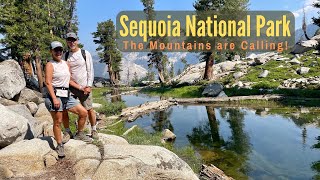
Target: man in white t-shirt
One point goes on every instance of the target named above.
(82, 76)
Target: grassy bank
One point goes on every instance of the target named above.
(180, 92)
(279, 71)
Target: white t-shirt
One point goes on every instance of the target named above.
(61, 74)
(81, 70)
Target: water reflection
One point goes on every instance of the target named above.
(316, 165)
(265, 143)
(115, 95)
(161, 120)
(206, 134)
(239, 141)
(228, 154)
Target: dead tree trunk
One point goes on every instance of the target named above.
(39, 73)
(209, 68)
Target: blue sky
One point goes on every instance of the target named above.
(94, 11)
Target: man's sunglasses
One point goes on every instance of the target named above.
(71, 40)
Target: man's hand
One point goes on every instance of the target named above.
(87, 90)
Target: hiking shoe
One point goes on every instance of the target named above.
(83, 137)
(94, 134)
(66, 137)
(60, 151)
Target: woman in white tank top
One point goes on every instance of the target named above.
(58, 100)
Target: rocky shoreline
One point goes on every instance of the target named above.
(27, 144)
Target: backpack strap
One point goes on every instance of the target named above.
(83, 52)
(66, 56)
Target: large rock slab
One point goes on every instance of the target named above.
(77, 150)
(28, 95)
(13, 127)
(11, 78)
(25, 158)
(43, 114)
(36, 127)
(85, 169)
(112, 139)
(212, 90)
(190, 78)
(226, 65)
(193, 74)
(142, 162)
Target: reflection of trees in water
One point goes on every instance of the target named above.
(239, 141)
(316, 165)
(161, 120)
(206, 135)
(230, 155)
(300, 117)
(115, 97)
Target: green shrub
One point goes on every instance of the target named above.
(181, 92)
(109, 108)
(266, 85)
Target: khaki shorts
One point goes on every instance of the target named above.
(85, 100)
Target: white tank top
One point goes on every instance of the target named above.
(61, 74)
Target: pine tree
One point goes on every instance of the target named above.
(171, 72)
(164, 64)
(179, 72)
(316, 21)
(233, 7)
(135, 80)
(155, 56)
(128, 77)
(185, 63)
(108, 52)
(71, 17)
(28, 27)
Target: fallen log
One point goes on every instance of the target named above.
(225, 99)
(211, 172)
(129, 130)
(132, 113)
(126, 93)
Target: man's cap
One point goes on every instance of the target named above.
(71, 35)
(56, 44)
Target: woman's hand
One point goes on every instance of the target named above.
(56, 103)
